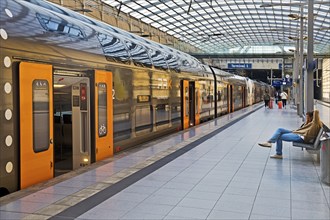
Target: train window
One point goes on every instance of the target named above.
(176, 112)
(143, 118)
(157, 59)
(162, 114)
(113, 48)
(40, 99)
(102, 110)
(59, 26)
(138, 54)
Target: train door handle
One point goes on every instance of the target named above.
(51, 141)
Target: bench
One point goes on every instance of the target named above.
(312, 146)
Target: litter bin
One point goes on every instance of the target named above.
(325, 158)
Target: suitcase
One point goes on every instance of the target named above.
(270, 104)
(280, 104)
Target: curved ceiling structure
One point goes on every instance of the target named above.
(233, 26)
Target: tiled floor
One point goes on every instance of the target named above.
(227, 176)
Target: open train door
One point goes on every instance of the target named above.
(103, 115)
(197, 103)
(36, 123)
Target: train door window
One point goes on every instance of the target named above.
(102, 109)
(40, 90)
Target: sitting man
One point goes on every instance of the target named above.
(306, 133)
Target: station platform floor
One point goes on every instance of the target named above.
(213, 171)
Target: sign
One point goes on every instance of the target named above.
(239, 65)
(282, 82)
(276, 83)
(286, 66)
(287, 82)
(143, 98)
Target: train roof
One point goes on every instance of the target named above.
(115, 44)
(220, 73)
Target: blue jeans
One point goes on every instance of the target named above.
(282, 134)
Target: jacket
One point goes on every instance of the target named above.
(310, 130)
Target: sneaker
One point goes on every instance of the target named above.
(276, 156)
(265, 144)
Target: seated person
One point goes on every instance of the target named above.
(306, 133)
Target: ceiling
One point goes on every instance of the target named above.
(233, 26)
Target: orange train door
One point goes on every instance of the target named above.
(185, 103)
(103, 115)
(197, 103)
(36, 123)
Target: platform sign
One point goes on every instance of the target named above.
(286, 66)
(287, 81)
(277, 83)
(239, 65)
(282, 82)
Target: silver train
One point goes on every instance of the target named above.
(75, 91)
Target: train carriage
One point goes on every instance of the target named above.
(76, 91)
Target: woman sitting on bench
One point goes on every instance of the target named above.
(305, 134)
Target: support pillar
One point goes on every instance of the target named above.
(301, 64)
(310, 61)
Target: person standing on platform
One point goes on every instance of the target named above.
(276, 96)
(306, 133)
(284, 97)
(266, 99)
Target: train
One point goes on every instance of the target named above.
(75, 90)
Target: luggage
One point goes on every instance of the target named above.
(270, 104)
(280, 105)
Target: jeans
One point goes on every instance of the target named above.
(266, 103)
(282, 134)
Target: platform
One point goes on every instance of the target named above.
(212, 171)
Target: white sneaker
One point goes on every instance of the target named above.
(265, 144)
(276, 156)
